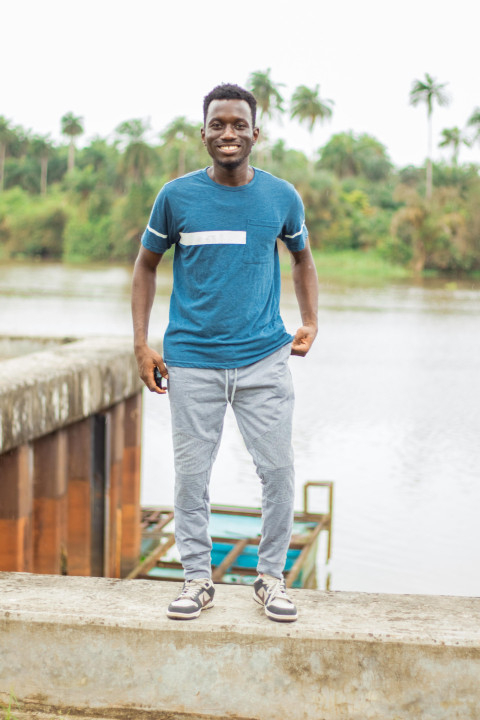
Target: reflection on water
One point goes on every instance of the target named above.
(387, 406)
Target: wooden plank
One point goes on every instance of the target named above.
(297, 565)
(151, 559)
(229, 559)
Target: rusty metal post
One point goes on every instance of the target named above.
(114, 493)
(80, 492)
(99, 485)
(131, 532)
(16, 510)
(50, 504)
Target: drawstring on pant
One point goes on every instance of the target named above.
(234, 385)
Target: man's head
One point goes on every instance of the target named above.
(227, 91)
(229, 133)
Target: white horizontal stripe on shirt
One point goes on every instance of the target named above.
(214, 237)
(290, 237)
(155, 232)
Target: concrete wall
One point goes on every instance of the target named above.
(44, 391)
(104, 648)
(70, 421)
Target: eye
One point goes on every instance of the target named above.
(215, 125)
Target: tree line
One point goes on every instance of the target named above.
(91, 203)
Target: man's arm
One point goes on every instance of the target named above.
(306, 289)
(143, 295)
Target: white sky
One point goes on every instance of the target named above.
(113, 60)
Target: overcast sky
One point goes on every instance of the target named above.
(113, 60)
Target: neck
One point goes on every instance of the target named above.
(233, 177)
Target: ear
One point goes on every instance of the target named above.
(202, 133)
(256, 133)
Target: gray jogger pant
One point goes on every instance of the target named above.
(262, 399)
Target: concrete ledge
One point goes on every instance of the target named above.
(104, 648)
(43, 391)
(15, 346)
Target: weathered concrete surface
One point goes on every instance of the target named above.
(46, 390)
(106, 648)
(11, 347)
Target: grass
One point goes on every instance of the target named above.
(6, 708)
(357, 264)
(12, 700)
(353, 266)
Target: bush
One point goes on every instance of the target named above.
(88, 240)
(35, 226)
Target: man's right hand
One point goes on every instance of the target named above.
(147, 360)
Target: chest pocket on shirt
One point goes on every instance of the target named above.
(261, 241)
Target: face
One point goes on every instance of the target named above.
(228, 134)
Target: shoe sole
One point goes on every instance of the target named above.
(190, 616)
(272, 616)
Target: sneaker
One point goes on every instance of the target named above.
(272, 594)
(197, 595)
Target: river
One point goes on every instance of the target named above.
(388, 406)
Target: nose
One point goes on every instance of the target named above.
(229, 132)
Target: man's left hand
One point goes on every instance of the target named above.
(302, 342)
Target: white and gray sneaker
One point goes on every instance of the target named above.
(272, 594)
(197, 595)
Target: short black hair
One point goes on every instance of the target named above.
(227, 91)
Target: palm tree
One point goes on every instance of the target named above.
(474, 122)
(454, 138)
(428, 91)
(178, 133)
(72, 126)
(269, 101)
(267, 93)
(137, 157)
(7, 135)
(41, 147)
(307, 105)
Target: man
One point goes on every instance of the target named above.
(225, 341)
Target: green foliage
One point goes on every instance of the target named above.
(88, 240)
(267, 93)
(356, 203)
(31, 226)
(308, 106)
(129, 217)
(349, 155)
(440, 234)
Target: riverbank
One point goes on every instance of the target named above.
(360, 266)
(357, 264)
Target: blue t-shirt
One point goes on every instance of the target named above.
(224, 308)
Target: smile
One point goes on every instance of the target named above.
(228, 148)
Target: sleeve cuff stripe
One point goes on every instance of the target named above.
(155, 232)
(290, 237)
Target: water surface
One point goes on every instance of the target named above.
(388, 406)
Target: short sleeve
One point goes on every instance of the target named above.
(159, 235)
(294, 232)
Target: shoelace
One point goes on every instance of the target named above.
(191, 588)
(276, 589)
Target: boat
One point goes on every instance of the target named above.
(235, 533)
